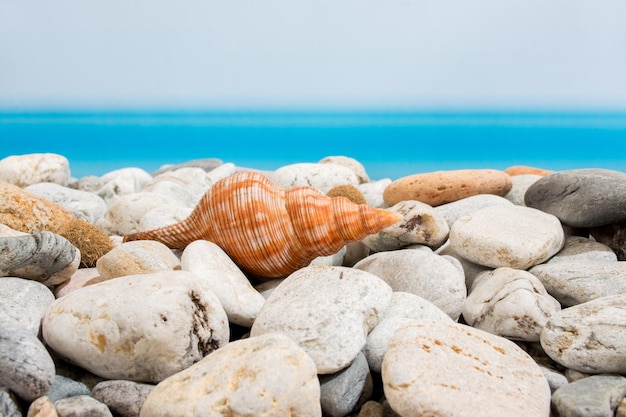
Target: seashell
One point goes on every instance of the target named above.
(269, 231)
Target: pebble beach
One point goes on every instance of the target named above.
(487, 293)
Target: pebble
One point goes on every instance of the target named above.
(327, 310)
(403, 309)
(423, 273)
(138, 327)
(519, 170)
(520, 184)
(42, 407)
(614, 236)
(597, 396)
(46, 257)
(470, 269)
(64, 387)
(266, 375)
(510, 303)
(589, 337)
(581, 197)
(124, 398)
(578, 281)
(137, 257)
(26, 367)
(353, 164)
(579, 248)
(29, 213)
(345, 391)
(25, 301)
(513, 236)
(123, 182)
(85, 205)
(451, 212)
(208, 261)
(322, 176)
(441, 187)
(555, 379)
(186, 185)
(80, 278)
(206, 164)
(82, 406)
(24, 170)
(9, 405)
(421, 225)
(444, 368)
(373, 192)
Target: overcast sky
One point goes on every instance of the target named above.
(319, 53)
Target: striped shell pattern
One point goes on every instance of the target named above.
(270, 232)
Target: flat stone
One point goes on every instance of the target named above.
(513, 236)
(441, 368)
(441, 187)
(138, 327)
(124, 398)
(24, 170)
(421, 224)
(579, 248)
(267, 375)
(451, 212)
(589, 337)
(422, 273)
(578, 281)
(343, 392)
(208, 261)
(510, 303)
(597, 396)
(581, 197)
(404, 308)
(26, 367)
(321, 176)
(9, 405)
(44, 256)
(25, 301)
(85, 205)
(82, 406)
(328, 311)
(137, 257)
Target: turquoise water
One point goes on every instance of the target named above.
(388, 144)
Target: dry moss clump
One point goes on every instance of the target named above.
(90, 240)
(349, 191)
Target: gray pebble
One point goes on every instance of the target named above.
(343, 392)
(207, 164)
(9, 406)
(82, 406)
(64, 387)
(595, 396)
(124, 398)
(25, 300)
(85, 205)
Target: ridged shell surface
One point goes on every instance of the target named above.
(268, 231)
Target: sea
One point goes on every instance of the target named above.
(389, 144)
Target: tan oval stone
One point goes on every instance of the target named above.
(526, 170)
(436, 188)
(29, 213)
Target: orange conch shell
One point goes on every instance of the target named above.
(268, 231)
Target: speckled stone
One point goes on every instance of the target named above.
(64, 387)
(597, 395)
(25, 301)
(9, 405)
(441, 187)
(124, 398)
(24, 170)
(82, 406)
(138, 257)
(441, 368)
(322, 176)
(85, 205)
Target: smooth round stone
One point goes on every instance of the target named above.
(342, 392)
(90, 183)
(441, 187)
(321, 176)
(9, 405)
(25, 301)
(42, 407)
(614, 236)
(441, 368)
(520, 184)
(267, 375)
(521, 170)
(589, 337)
(85, 205)
(187, 185)
(578, 248)
(555, 379)
(468, 205)
(123, 182)
(124, 398)
(422, 273)
(29, 213)
(470, 269)
(45, 257)
(421, 225)
(137, 257)
(81, 278)
(348, 162)
(403, 309)
(206, 164)
(26, 367)
(137, 212)
(24, 170)
(510, 303)
(82, 406)
(208, 261)
(581, 197)
(597, 395)
(373, 191)
(513, 236)
(64, 387)
(327, 310)
(578, 281)
(139, 327)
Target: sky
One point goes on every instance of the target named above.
(316, 54)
